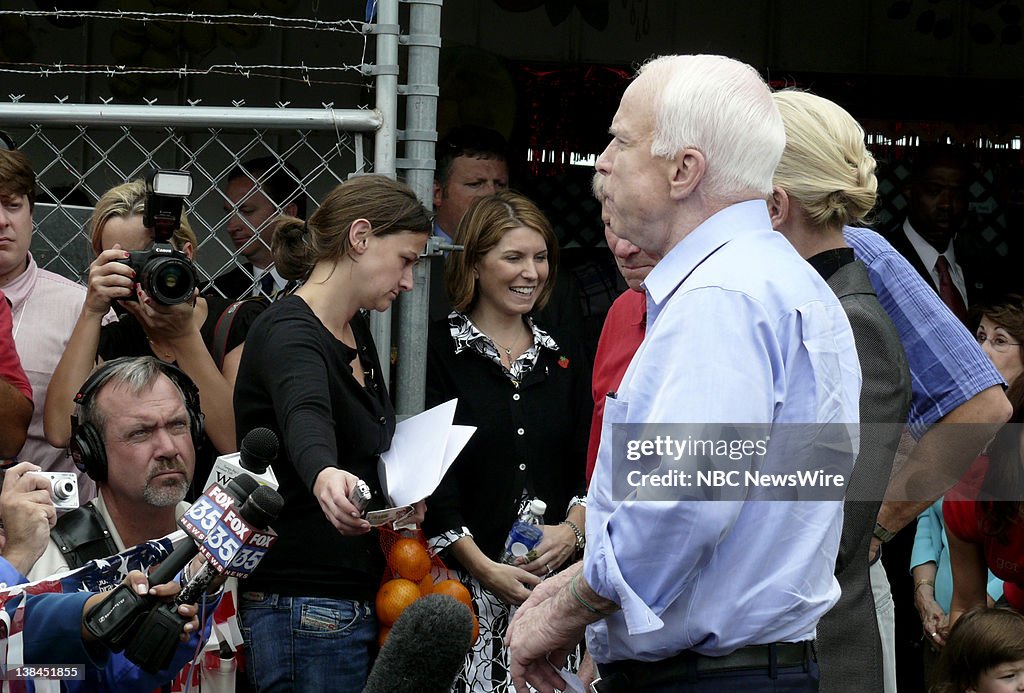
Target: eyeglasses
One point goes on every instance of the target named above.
(998, 341)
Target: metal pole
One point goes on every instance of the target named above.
(420, 136)
(386, 71)
(180, 116)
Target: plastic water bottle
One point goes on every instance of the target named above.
(525, 534)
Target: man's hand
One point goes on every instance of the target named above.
(138, 582)
(28, 515)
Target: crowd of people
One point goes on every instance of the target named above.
(761, 312)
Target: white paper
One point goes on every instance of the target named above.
(422, 450)
(572, 682)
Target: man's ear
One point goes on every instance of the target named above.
(358, 232)
(438, 195)
(189, 251)
(778, 207)
(291, 210)
(686, 172)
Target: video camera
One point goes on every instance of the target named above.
(165, 274)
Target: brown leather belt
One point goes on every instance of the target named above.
(632, 675)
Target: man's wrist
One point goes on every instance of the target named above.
(882, 534)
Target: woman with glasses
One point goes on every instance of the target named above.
(930, 563)
(989, 532)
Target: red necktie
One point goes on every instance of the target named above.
(948, 292)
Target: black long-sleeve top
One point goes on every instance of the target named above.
(296, 379)
(531, 437)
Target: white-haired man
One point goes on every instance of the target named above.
(691, 585)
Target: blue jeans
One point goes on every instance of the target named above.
(307, 643)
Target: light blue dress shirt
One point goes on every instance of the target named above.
(740, 330)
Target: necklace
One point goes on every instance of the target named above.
(506, 349)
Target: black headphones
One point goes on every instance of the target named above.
(86, 445)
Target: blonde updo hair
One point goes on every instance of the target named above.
(128, 200)
(825, 167)
(389, 206)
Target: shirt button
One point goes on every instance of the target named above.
(515, 397)
(521, 431)
(522, 467)
(383, 420)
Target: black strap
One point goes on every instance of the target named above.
(222, 330)
(82, 535)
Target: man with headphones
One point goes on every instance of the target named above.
(134, 432)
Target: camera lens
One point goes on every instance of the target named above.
(63, 489)
(169, 280)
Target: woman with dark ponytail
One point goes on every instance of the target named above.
(310, 373)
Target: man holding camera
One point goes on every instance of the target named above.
(133, 436)
(51, 625)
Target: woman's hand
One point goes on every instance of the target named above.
(555, 548)
(934, 621)
(163, 324)
(332, 488)
(109, 280)
(510, 583)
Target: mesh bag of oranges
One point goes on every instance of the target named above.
(412, 571)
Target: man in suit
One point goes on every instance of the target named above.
(258, 191)
(933, 239)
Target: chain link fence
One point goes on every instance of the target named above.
(77, 163)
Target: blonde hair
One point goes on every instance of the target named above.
(128, 200)
(826, 167)
(481, 229)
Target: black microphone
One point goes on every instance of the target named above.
(425, 649)
(113, 620)
(239, 488)
(153, 643)
(258, 450)
(259, 510)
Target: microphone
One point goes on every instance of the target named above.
(114, 619)
(258, 450)
(425, 649)
(239, 488)
(259, 510)
(234, 546)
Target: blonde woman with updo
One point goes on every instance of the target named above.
(310, 373)
(825, 180)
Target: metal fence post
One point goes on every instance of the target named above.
(386, 71)
(419, 163)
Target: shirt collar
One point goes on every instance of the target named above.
(925, 250)
(21, 286)
(466, 335)
(713, 233)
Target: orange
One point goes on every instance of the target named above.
(427, 584)
(409, 559)
(382, 635)
(455, 589)
(392, 598)
(476, 630)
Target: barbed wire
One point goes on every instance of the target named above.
(310, 24)
(53, 69)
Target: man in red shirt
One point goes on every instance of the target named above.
(623, 329)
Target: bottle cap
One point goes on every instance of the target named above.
(538, 507)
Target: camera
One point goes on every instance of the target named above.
(63, 489)
(165, 274)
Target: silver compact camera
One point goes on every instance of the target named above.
(63, 488)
